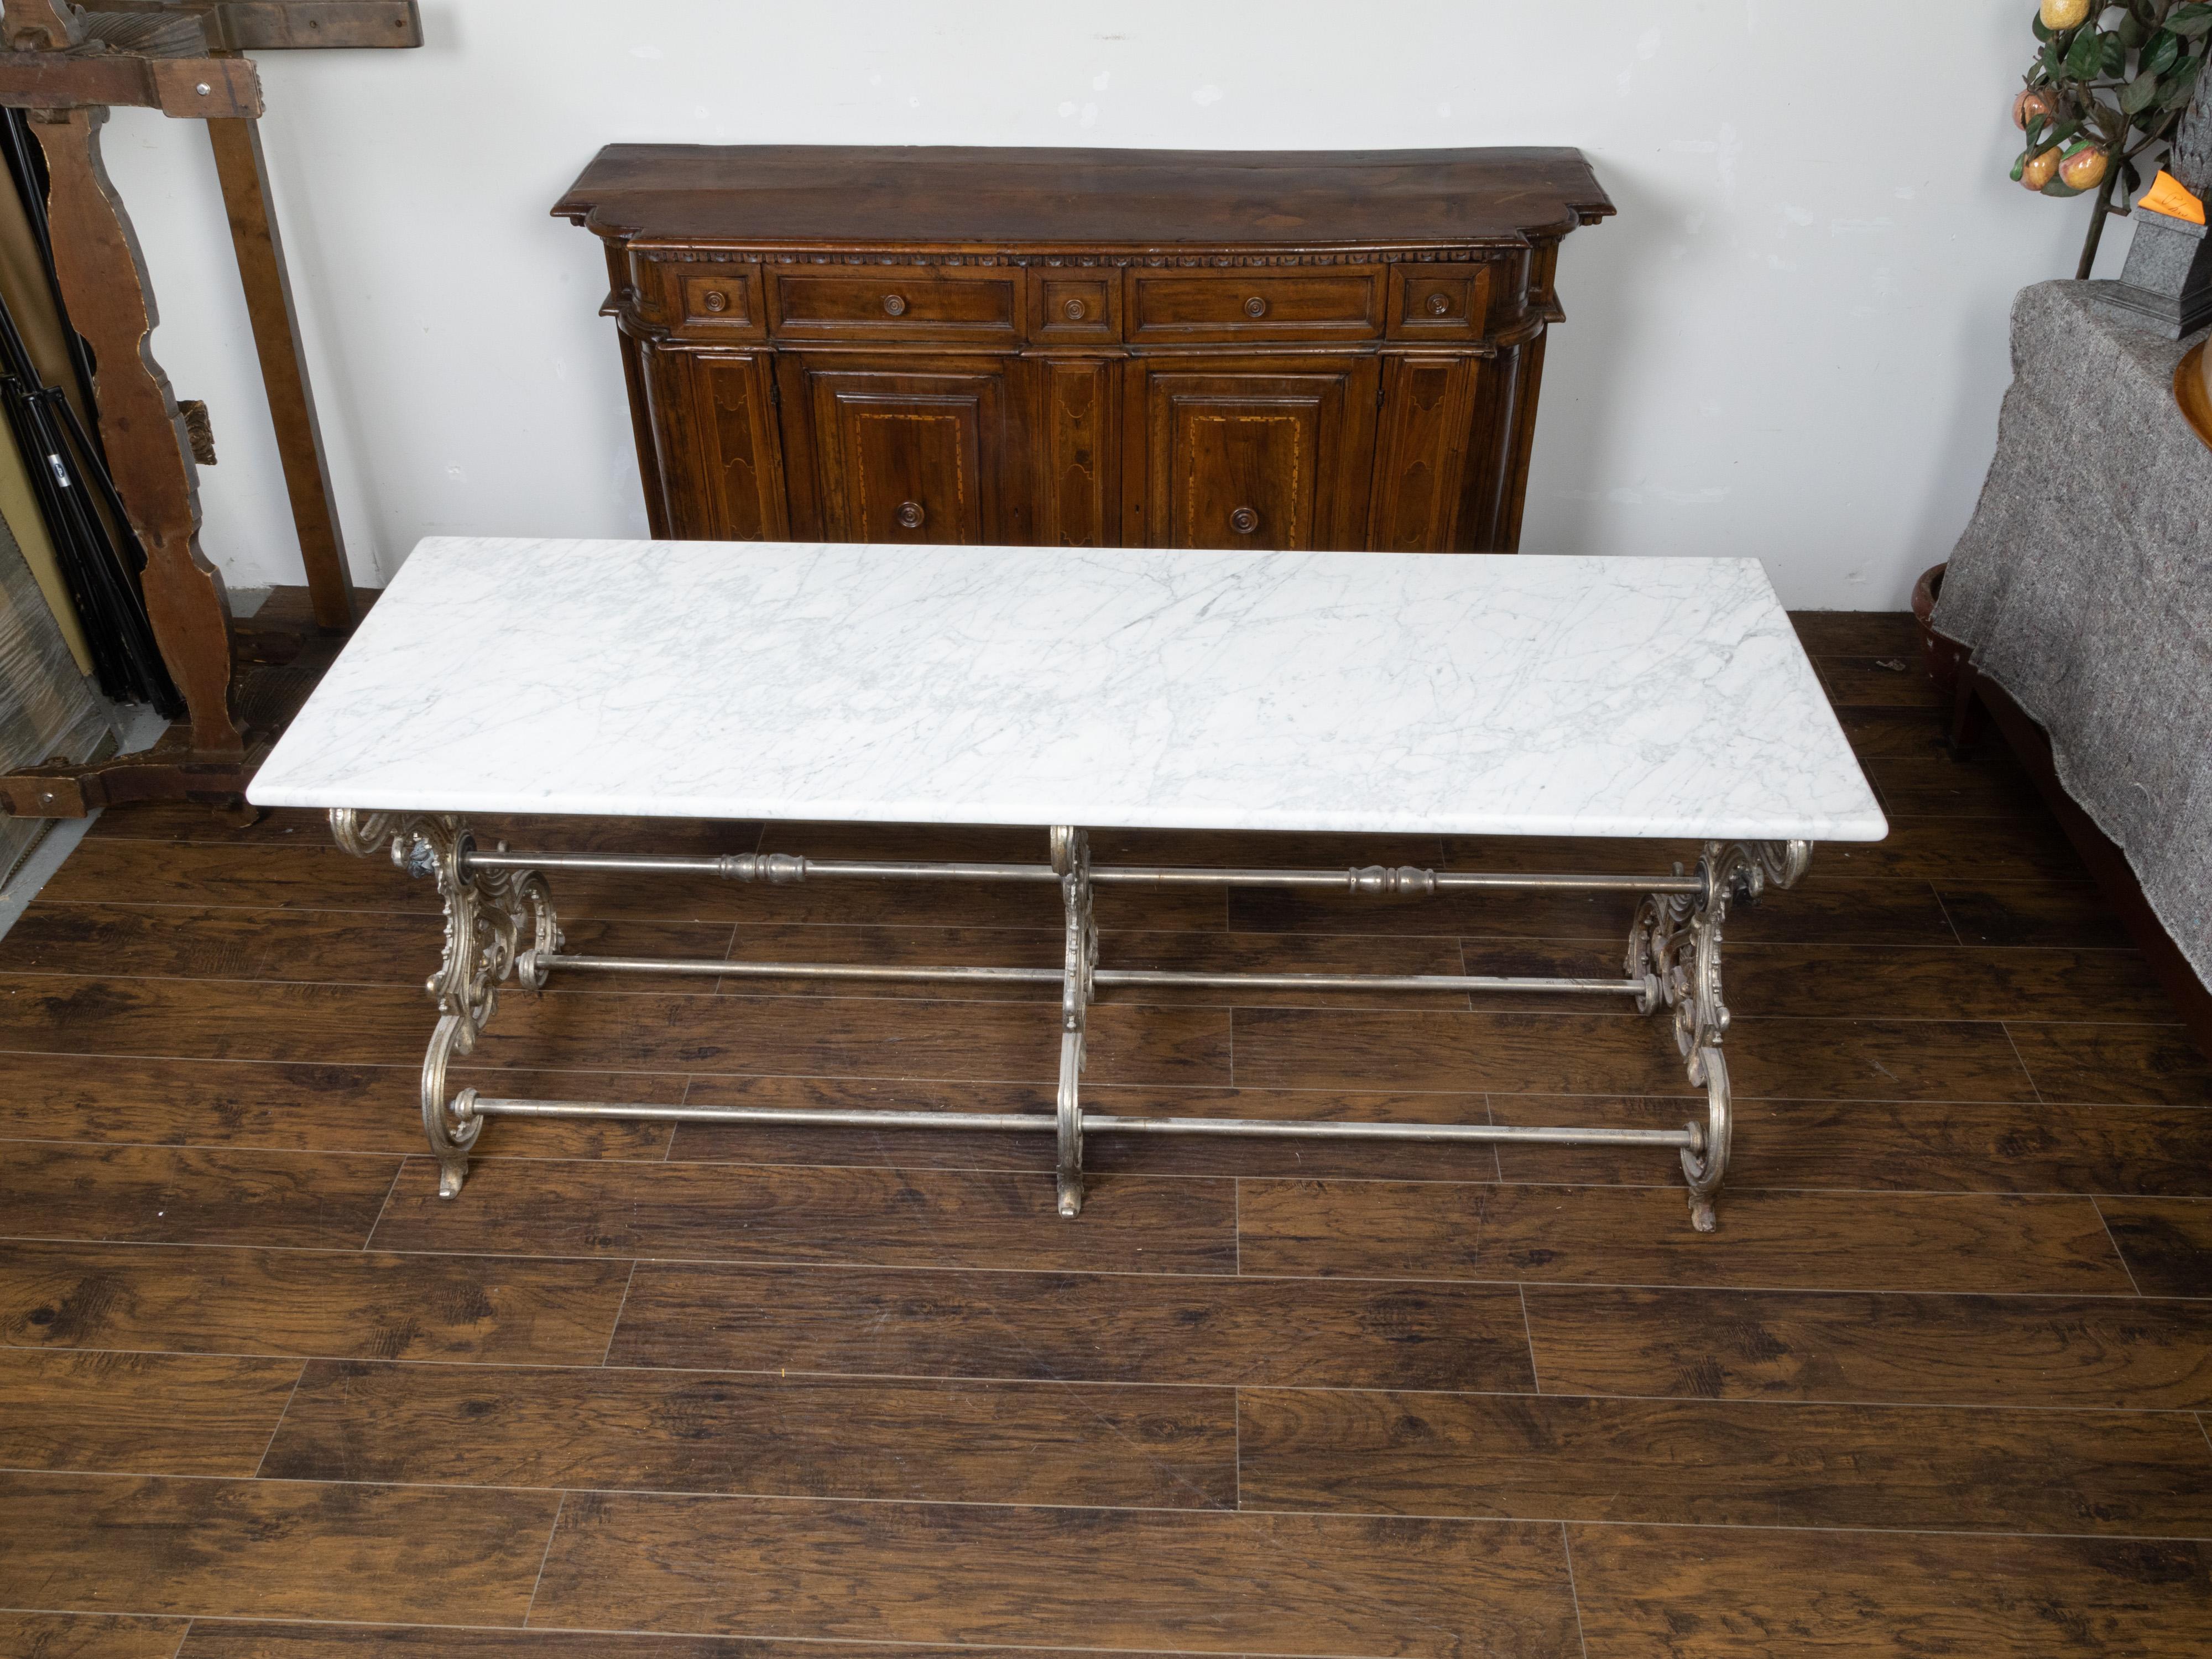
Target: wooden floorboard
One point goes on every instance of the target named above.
(762, 1435)
(215, 1638)
(149, 1413)
(1747, 1595)
(211, 1299)
(89, 1636)
(2165, 1242)
(1938, 1386)
(1113, 1578)
(883, 1217)
(1926, 1349)
(1680, 1463)
(304, 1105)
(272, 1548)
(1963, 1146)
(1630, 1235)
(1210, 1330)
(176, 1195)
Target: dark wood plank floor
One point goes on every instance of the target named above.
(1940, 1384)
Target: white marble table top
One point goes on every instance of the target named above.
(1454, 693)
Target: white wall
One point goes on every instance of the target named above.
(1790, 343)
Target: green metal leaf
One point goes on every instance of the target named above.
(2114, 55)
(2161, 54)
(2085, 54)
(2139, 94)
(2037, 24)
(2058, 186)
(2132, 31)
(2191, 20)
(2180, 84)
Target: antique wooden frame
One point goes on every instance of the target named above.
(68, 66)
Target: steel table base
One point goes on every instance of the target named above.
(501, 924)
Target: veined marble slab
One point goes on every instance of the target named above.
(1452, 693)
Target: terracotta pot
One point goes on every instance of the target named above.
(2192, 390)
(1939, 657)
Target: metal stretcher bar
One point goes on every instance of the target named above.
(501, 923)
(781, 867)
(469, 1104)
(716, 968)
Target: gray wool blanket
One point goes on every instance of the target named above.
(2084, 586)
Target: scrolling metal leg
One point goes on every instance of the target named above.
(1071, 861)
(1675, 943)
(497, 922)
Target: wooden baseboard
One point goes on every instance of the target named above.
(2108, 866)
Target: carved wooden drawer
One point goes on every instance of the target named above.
(1075, 306)
(713, 301)
(1085, 348)
(1439, 302)
(1200, 305)
(898, 302)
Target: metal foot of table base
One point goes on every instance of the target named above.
(500, 921)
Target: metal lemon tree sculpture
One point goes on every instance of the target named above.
(2108, 87)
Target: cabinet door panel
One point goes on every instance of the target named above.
(1419, 454)
(915, 451)
(1258, 453)
(1077, 438)
(739, 497)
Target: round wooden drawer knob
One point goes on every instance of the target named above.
(894, 305)
(1073, 311)
(1255, 307)
(1438, 305)
(910, 514)
(1245, 521)
(715, 301)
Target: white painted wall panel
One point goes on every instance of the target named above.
(1790, 344)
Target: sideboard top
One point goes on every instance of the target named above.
(767, 194)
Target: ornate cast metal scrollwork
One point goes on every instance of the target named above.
(497, 922)
(1071, 861)
(1674, 946)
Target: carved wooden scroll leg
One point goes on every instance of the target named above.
(103, 283)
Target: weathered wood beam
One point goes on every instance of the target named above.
(204, 89)
(291, 25)
(111, 304)
(244, 175)
(43, 25)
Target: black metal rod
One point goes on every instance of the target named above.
(27, 164)
(102, 577)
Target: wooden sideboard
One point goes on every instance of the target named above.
(1085, 347)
